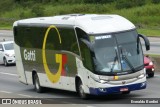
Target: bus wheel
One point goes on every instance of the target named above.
(37, 85)
(80, 90)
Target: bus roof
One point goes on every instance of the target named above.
(90, 23)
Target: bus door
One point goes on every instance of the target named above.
(85, 54)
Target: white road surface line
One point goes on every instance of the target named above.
(157, 75)
(155, 42)
(23, 95)
(5, 92)
(8, 74)
(90, 106)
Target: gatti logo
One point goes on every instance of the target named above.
(29, 55)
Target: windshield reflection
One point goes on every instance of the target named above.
(8, 46)
(117, 52)
(106, 58)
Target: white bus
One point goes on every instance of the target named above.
(86, 53)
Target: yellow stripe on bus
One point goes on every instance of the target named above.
(52, 77)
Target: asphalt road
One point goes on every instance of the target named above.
(10, 87)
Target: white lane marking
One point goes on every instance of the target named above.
(23, 95)
(157, 75)
(90, 106)
(155, 42)
(74, 104)
(8, 74)
(6, 92)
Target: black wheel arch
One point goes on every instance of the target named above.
(33, 74)
(77, 79)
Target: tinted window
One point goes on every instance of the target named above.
(81, 34)
(1, 47)
(85, 51)
(86, 55)
(53, 40)
(69, 41)
(30, 37)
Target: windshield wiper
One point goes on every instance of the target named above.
(127, 61)
(114, 63)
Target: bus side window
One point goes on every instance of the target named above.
(86, 56)
(53, 41)
(81, 34)
(85, 51)
(69, 41)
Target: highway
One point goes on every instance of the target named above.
(10, 87)
(155, 46)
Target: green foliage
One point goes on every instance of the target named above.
(155, 1)
(150, 32)
(6, 5)
(38, 10)
(120, 4)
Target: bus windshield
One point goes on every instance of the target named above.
(117, 53)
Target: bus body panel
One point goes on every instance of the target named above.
(19, 64)
(31, 59)
(114, 86)
(65, 83)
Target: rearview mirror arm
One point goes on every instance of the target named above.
(146, 40)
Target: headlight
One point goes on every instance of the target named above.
(151, 63)
(7, 54)
(141, 76)
(99, 80)
(103, 81)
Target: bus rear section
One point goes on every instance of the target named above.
(90, 54)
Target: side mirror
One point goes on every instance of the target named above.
(147, 43)
(87, 43)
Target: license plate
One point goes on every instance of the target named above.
(123, 89)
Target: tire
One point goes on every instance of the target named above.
(80, 90)
(151, 75)
(37, 85)
(126, 92)
(5, 62)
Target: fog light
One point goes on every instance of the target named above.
(102, 89)
(152, 69)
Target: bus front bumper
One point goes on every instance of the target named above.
(117, 89)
